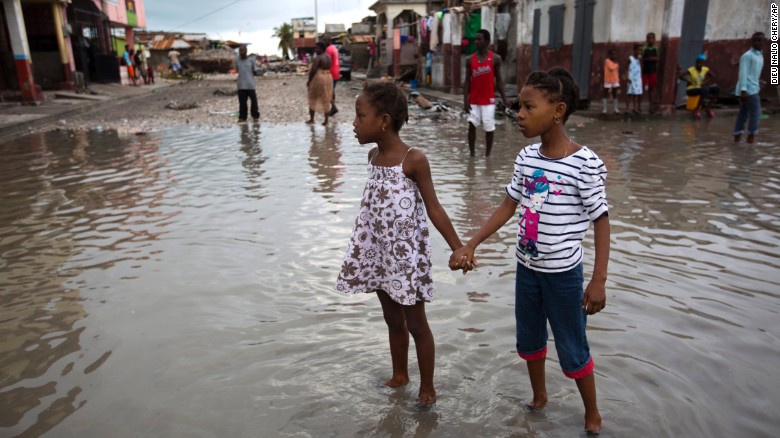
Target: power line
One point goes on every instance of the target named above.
(209, 14)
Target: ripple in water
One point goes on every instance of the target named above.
(181, 283)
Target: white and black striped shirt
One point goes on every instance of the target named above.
(558, 199)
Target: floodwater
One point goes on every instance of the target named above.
(180, 284)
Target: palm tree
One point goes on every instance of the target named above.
(285, 35)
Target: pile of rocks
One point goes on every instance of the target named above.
(212, 61)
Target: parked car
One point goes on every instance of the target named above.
(345, 62)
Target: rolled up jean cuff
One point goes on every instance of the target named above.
(541, 354)
(582, 372)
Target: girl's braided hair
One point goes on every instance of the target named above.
(388, 98)
(559, 86)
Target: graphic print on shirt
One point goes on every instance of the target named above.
(538, 190)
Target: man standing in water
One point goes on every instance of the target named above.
(750, 65)
(245, 65)
(483, 76)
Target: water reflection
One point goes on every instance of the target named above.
(71, 201)
(325, 159)
(253, 163)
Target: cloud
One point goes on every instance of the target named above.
(250, 21)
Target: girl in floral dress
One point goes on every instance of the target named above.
(389, 253)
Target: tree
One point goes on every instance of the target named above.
(285, 35)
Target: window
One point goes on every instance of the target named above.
(555, 39)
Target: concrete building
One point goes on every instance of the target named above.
(55, 44)
(304, 36)
(398, 32)
(160, 43)
(575, 34)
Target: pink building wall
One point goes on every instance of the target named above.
(116, 10)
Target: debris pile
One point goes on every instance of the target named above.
(283, 68)
(212, 61)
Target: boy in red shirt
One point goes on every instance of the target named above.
(483, 76)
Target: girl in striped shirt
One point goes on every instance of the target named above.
(559, 186)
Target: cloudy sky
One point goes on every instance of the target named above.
(249, 21)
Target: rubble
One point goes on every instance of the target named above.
(212, 61)
(211, 103)
(181, 106)
(283, 67)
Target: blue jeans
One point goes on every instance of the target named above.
(750, 111)
(555, 297)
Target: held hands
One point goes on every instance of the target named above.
(595, 298)
(463, 258)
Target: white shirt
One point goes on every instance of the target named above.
(558, 200)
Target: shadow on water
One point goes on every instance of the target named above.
(181, 283)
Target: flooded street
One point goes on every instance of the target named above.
(180, 284)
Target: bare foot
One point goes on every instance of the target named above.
(538, 403)
(395, 382)
(426, 397)
(593, 423)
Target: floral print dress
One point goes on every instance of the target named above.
(389, 249)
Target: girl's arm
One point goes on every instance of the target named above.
(463, 257)
(595, 298)
(420, 171)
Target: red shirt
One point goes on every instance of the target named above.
(334, 62)
(482, 86)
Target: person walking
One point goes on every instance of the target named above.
(335, 72)
(246, 66)
(319, 87)
(750, 65)
(483, 78)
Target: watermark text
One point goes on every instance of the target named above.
(774, 45)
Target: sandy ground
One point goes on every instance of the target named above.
(210, 103)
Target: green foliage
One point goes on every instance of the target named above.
(285, 35)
